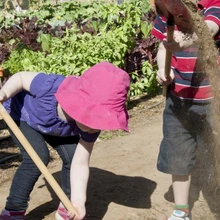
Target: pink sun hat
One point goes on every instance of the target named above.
(97, 98)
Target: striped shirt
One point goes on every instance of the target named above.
(190, 83)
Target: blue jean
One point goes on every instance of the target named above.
(27, 173)
(186, 126)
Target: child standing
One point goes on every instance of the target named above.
(187, 111)
(68, 113)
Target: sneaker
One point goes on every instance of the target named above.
(12, 215)
(179, 215)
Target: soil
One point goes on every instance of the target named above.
(208, 62)
(124, 182)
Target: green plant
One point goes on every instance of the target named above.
(70, 37)
(147, 82)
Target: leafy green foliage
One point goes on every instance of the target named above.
(146, 82)
(72, 54)
(68, 38)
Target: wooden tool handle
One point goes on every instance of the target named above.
(38, 162)
(168, 58)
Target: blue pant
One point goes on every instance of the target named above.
(27, 173)
(186, 126)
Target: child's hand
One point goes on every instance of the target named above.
(81, 212)
(161, 78)
(3, 96)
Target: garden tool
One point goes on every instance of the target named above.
(176, 13)
(36, 159)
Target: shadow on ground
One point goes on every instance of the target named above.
(104, 188)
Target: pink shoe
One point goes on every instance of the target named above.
(12, 215)
(62, 213)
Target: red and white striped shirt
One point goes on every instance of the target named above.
(189, 83)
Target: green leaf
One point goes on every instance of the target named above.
(144, 29)
(12, 41)
(45, 40)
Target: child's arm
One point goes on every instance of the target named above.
(161, 54)
(213, 27)
(183, 41)
(80, 175)
(16, 83)
(161, 78)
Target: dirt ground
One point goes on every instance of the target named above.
(124, 182)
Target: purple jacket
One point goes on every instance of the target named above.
(39, 108)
